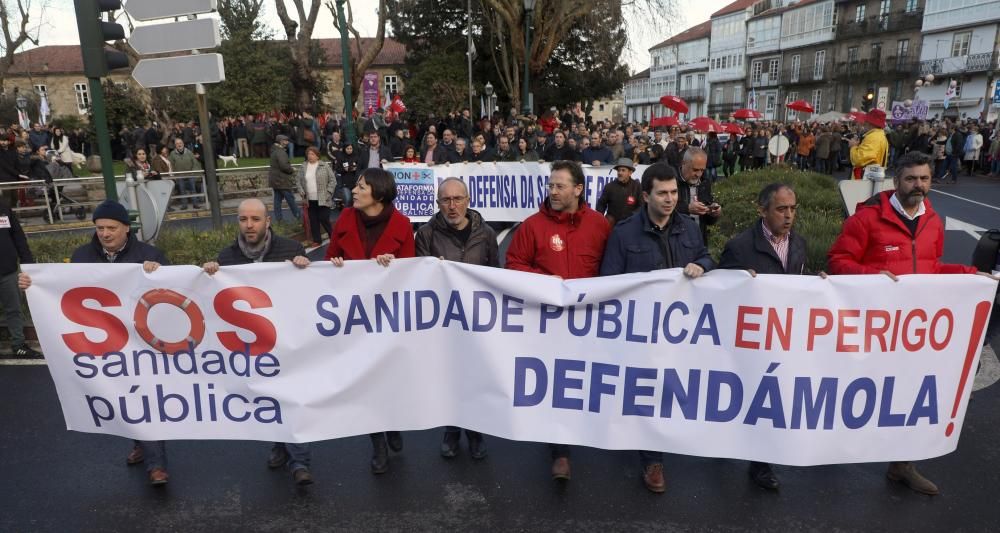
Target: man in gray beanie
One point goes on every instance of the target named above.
(114, 243)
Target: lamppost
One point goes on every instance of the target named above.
(529, 8)
(22, 105)
(345, 54)
(488, 89)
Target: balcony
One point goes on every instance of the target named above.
(765, 80)
(722, 110)
(902, 66)
(696, 94)
(807, 74)
(895, 21)
(959, 65)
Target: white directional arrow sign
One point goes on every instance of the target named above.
(176, 36)
(954, 224)
(180, 70)
(144, 10)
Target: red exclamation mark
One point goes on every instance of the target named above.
(978, 324)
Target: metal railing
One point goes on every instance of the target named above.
(696, 94)
(959, 64)
(807, 74)
(886, 66)
(895, 21)
(55, 206)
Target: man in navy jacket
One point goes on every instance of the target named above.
(654, 238)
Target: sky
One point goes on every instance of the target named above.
(58, 24)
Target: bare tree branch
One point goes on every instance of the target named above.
(362, 57)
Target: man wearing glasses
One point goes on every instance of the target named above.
(565, 239)
(457, 233)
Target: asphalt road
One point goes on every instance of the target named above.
(55, 480)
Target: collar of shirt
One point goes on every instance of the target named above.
(894, 201)
(771, 237)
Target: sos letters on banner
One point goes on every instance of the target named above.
(785, 369)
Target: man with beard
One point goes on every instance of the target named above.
(895, 233)
(257, 243)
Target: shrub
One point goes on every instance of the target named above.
(182, 245)
(819, 219)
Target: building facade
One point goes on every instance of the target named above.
(57, 71)
(727, 55)
(679, 66)
(961, 43)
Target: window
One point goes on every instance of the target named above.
(902, 48)
(897, 91)
(883, 15)
(819, 65)
(876, 53)
(718, 96)
(796, 61)
(41, 89)
(770, 102)
(391, 86)
(738, 95)
(817, 99)
(82, 97)
(755, 71)
(772, 70)
(911, 6)
(600, 107)
(852, 56)
(789, 98)
(859, 14)
(960, 44)
(958, 89)
(701, 82)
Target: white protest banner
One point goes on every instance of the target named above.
(501, 192)
(785, 369)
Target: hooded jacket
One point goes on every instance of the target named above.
(558, 243)
(436, 239)
(875, 239)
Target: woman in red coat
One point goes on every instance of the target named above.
(373, 229)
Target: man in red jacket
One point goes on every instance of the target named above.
(565, 239)
(894, 233)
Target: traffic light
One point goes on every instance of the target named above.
(94, 33)
(866, 105)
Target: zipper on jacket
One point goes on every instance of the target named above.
(913, 252)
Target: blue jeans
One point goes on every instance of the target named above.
(953, 164)
(155, 453)
(995, 166)
(940, 167)
(189, 186)
(299, 455)
(289, 198)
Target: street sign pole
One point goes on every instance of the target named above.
(208, 151)
(103, 137)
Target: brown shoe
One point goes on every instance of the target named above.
(158, 476)
(135, 456)
(906, 473)
(560, 468)
(652, 476)
(302, 476)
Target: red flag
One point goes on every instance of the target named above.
(397, 105)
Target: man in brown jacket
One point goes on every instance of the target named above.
(457, 233)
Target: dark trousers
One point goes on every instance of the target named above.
(648, 458)
(155, 452)
(319, 216)
(729, 167)
(299, 455)
(559, 450)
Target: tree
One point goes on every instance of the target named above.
(552, 21)
(15, 32)
(581, 69)
(439, 86)
(124, 106)
(262, 67)
(361, 57)
(300, 45)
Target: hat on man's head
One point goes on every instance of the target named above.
(624, 162)
(876, 117)
(280, 138)
(111, 210)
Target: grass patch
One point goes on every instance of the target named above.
(819, 219)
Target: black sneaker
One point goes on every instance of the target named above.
(25, 352)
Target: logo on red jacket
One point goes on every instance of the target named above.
(556, 243)
(630, 200)
(891, 248)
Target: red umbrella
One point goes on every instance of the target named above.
(800, 105)
(705, 125)
(664, 121)
(857, 116)
(732, 127)
(747, 113)
(674, 103)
